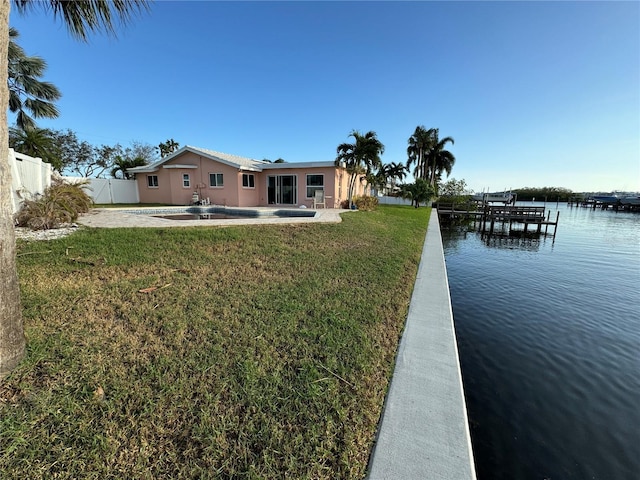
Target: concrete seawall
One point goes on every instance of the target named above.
(424, 433)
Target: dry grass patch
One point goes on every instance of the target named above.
(252, 352)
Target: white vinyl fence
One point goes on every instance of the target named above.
(393, 201)
(29, 177)
(110, 190)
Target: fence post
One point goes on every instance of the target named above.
(16, 182)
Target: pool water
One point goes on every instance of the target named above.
(201, 216)
(220, 213)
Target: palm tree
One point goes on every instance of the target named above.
(36, 142)
(121, 164)
(24, 73)
(440, 159)
(168, 147)
(81, 17)
(427, 151)
(377, 180)
(419, 145)
(397, 171)
(387, 174)
(360, 158)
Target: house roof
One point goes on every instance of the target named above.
(241, 163)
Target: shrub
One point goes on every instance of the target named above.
(418, 192)
(61, 203)
(367, 203)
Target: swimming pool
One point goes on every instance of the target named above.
(216, 212)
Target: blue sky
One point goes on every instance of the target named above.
(533, 93)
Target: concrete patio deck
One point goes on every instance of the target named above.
(121, 217)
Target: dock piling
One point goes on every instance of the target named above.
(505, 215)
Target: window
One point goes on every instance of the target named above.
(314, 182)
(216, 180)
(248, 180)
(186, 181)
(152, 181)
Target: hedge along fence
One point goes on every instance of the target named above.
(61, 203)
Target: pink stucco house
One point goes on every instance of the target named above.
(235, 181)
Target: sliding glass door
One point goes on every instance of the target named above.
(282, 189)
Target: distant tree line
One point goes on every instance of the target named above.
(551, 193)
(70, 155)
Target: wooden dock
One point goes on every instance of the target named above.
(503, 215)
(615, 206)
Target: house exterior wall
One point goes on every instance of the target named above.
(247, 196)
(181, 195)
(330, 184)
(159, 194)
(227, 194)
(170, 188)
(342, 179)
(232, 192)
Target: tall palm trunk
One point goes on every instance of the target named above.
(352, 188)
(432, 180)
(11, 332)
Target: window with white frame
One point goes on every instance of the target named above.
(248, 180)
(152, 181)
(186, 180)
(314, 182)
(216, 180)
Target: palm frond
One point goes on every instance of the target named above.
(83, 17)
(24, 121)
(40, 108)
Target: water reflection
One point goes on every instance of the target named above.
(548, 332)
(529, 242)
(508, 238)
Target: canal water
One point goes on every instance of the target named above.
(549, 339)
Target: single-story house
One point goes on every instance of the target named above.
(193, 174)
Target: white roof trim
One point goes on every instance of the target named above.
(180, 166)
(145, 169)
(277, 166)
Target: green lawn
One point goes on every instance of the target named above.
(265, 351)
